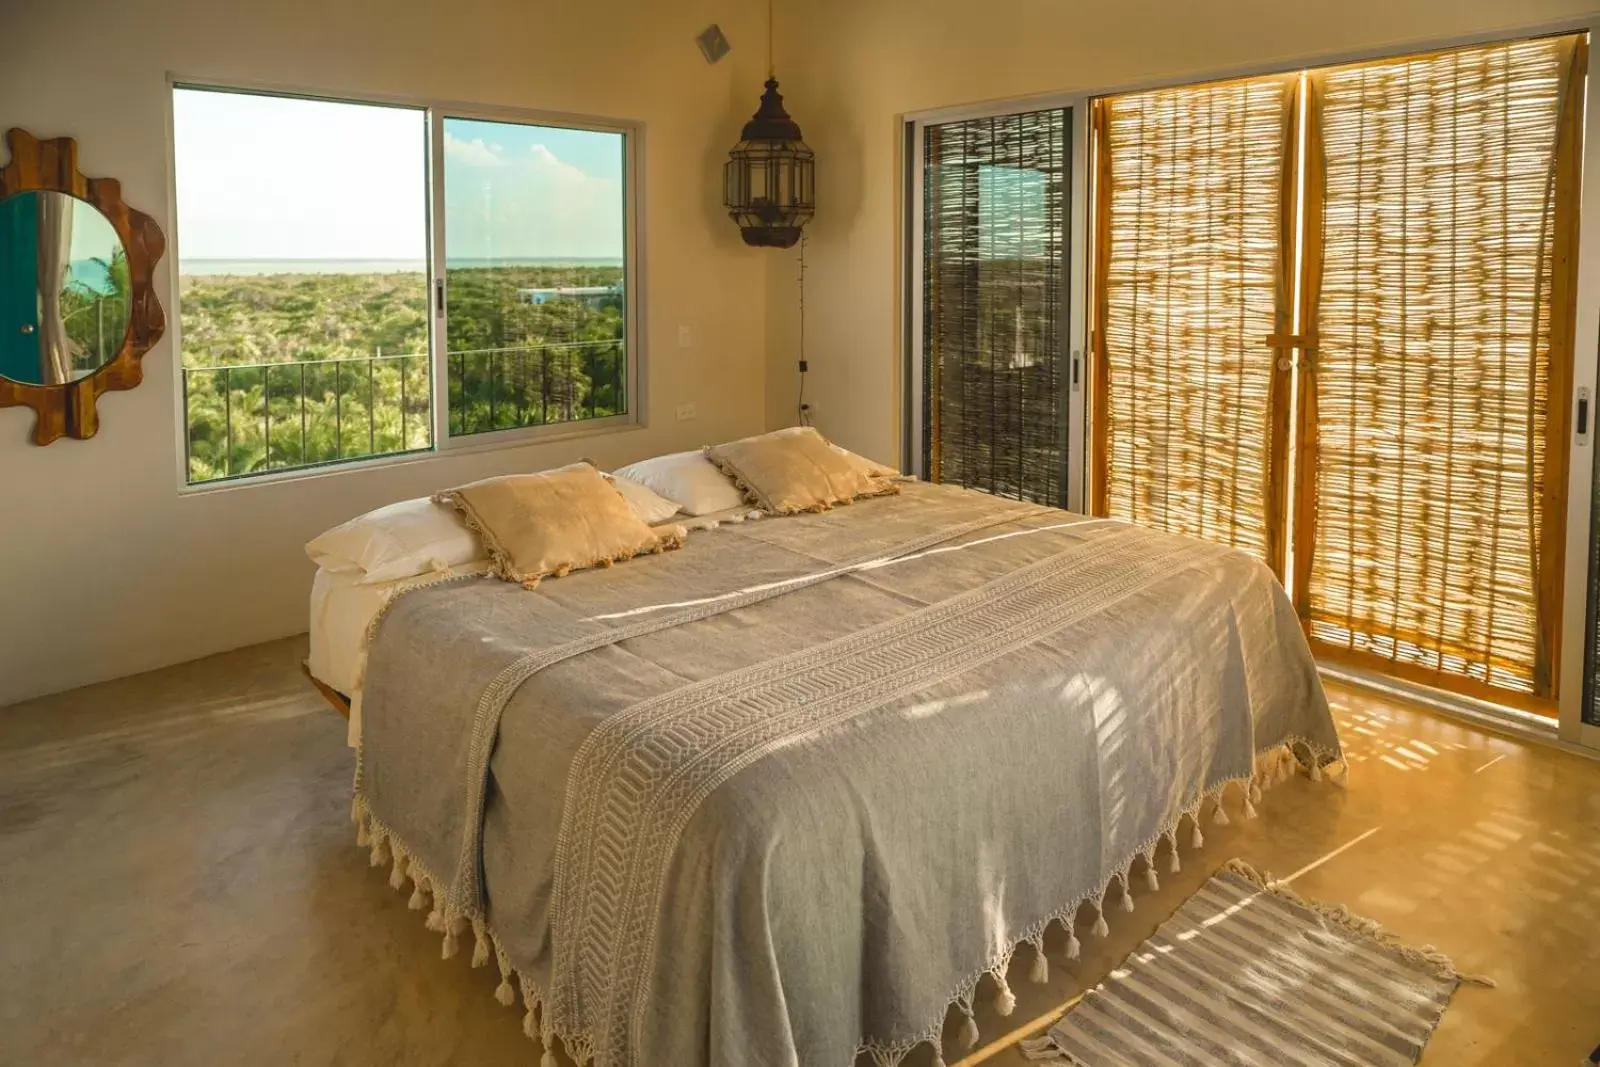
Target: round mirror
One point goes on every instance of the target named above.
(64, 288)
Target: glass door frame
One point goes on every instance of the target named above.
(1569, 731)
(1074, 294)
(1575, 636)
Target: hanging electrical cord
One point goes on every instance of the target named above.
(803, 411)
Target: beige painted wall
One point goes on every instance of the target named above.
(105, 567)
(853, 69)
(109, 569)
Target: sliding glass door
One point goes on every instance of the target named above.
(994, 370)
(1435, 474)
(1334, 321)
(1194, 198)
(1330, 319)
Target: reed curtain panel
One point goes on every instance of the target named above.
(1333, 318)
(994, 313)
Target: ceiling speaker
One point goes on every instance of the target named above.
(712, 44)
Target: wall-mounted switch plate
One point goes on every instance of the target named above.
(686, 412)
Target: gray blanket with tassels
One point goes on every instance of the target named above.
(788, 794)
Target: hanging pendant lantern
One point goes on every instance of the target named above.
(768, 182)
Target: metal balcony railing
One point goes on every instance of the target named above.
(252, 418)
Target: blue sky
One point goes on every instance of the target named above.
(264, 177)
(1011, 213)
(520, 191)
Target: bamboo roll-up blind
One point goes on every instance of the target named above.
(994, 262)
(1192, 279)
(1443, 330)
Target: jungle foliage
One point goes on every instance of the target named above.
(290, 370)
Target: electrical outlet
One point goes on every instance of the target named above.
(686, 412)
(685, 337)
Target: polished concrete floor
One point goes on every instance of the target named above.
(179, 885)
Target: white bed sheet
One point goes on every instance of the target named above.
(342, 607)
(342, 610)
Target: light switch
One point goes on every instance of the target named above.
(686, 412)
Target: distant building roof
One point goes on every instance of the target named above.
(574, 292)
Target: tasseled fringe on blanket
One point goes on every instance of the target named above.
(1039, 973)
(1101, 928)
(452, 927)
(969, 1036)
(1243, 795)
(536, 1024)
(504, 992)
(419, 893)
(1271, 767)
(1005, 1001)
(480, 944)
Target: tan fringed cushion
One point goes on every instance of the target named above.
(539, 525)
(794, 470)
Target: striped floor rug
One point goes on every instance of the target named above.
(1250, 974)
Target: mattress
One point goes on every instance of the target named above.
(342, 607)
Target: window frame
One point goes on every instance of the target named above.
(438, 329)
(443, 445)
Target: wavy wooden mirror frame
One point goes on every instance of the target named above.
(69, 409)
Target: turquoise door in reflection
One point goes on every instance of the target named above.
(19, 289)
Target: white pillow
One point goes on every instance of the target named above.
(689, 479)
(651, 508)
(397, 541)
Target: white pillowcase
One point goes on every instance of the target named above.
(397, 541)
(687, 478)
(651, 508)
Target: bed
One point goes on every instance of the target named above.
(794, 792)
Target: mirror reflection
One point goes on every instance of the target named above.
(64, 288)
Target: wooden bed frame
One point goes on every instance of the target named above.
(340, 702)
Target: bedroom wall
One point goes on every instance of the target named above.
(853, 68)
(108, 568)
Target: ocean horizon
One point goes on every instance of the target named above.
(188, 267)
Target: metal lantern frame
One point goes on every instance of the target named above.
(769, 181)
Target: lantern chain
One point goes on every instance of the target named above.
(804, 410)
